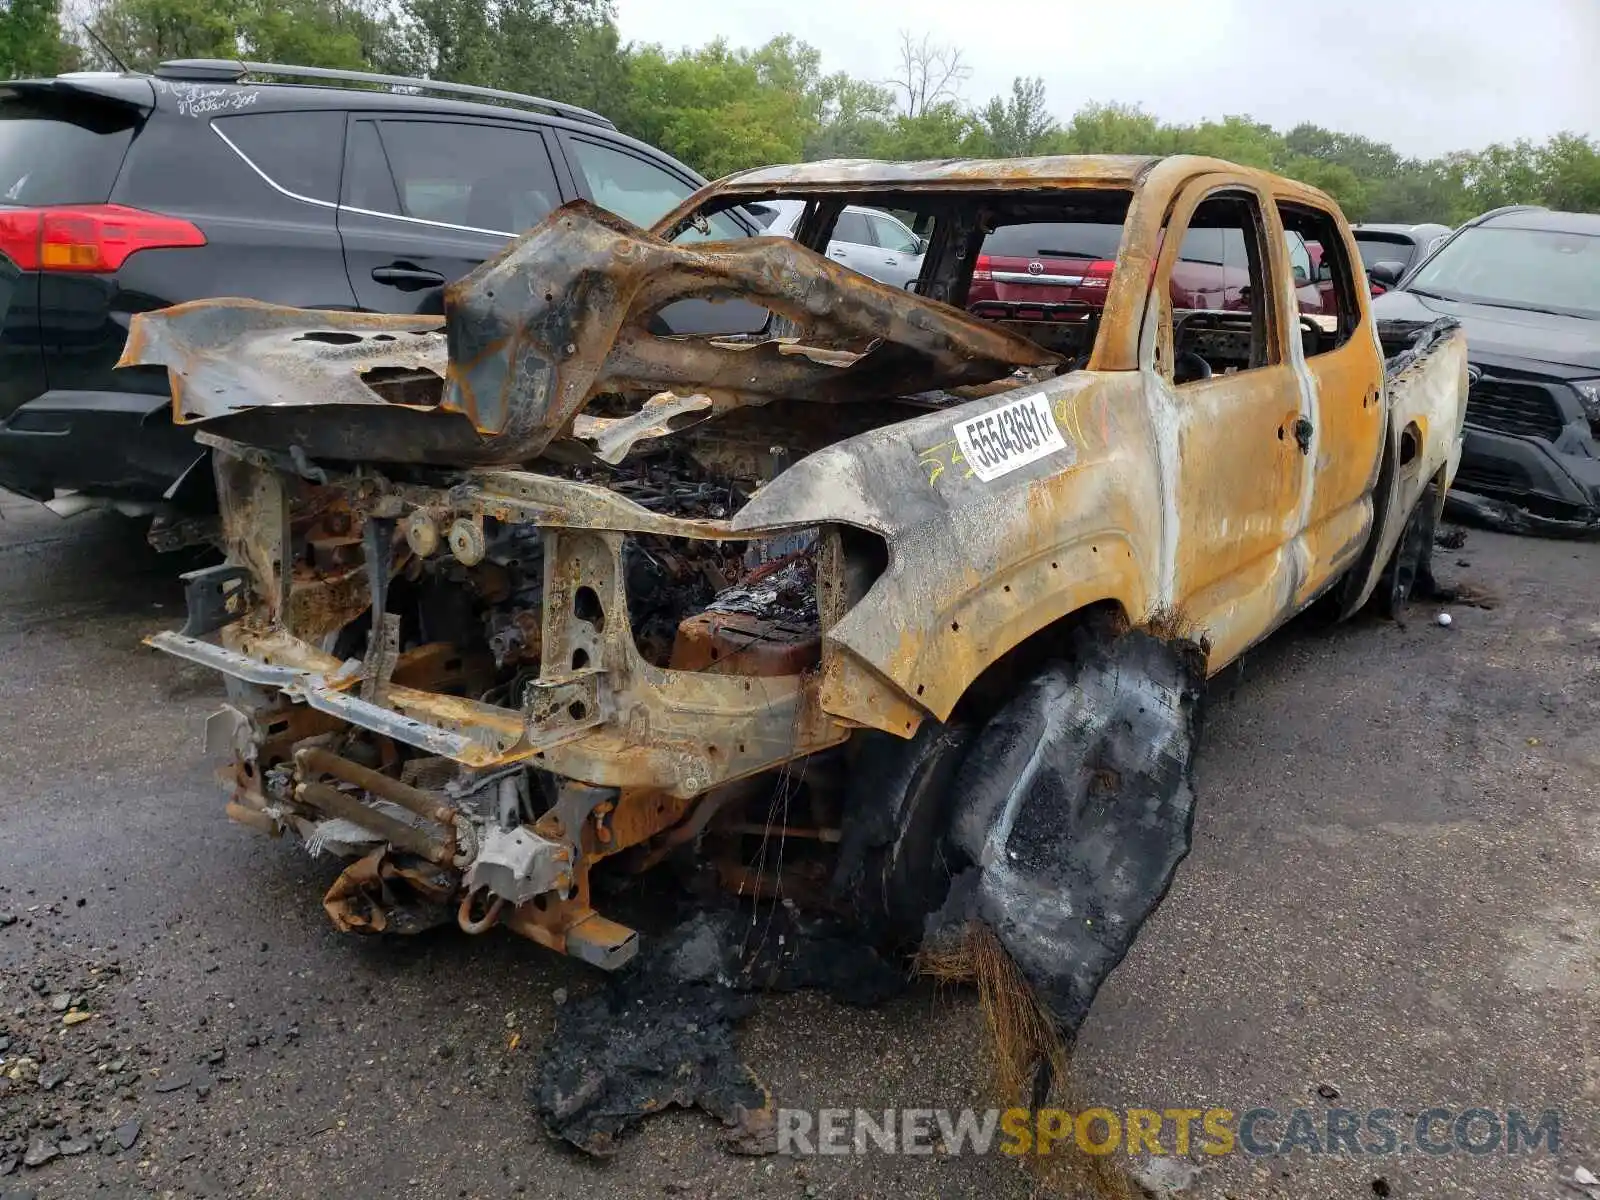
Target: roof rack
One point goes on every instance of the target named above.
(225, 70)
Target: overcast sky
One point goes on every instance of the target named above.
(1423, 75)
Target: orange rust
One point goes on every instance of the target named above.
(640, 814)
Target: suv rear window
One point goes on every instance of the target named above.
(1377, 249)
(1055, 239)
(60, 152)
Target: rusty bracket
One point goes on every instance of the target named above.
(563, 706)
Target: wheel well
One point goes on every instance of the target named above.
(1000, 679)
(1410, 445)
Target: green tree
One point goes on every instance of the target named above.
(720, 109)
(1020, 124)
(1494, 176)
(144, 33)
(30, 39)
(847, 116)
(561, 49)
(941, 131)
(1362, 156)
(1569, 171)
(1115, 129)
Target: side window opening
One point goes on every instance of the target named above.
(369, 183)
(639, 191)
(1328, 310)
(894, 236)
(1219, 302)
(852, 227)
(486, 177)
(300, 151)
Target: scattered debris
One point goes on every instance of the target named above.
(1161, 1177)
(661, 1033)
(1327, 1091)
(128, 1132)
(40, 1151)
(53, 1076)
(1504, 516)
(640, 1046)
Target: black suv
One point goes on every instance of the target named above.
(121, 193)
(1525, 283)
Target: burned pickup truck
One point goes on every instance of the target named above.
(862, 601)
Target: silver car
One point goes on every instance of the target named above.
(867, 240)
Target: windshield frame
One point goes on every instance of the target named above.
(1421, 281)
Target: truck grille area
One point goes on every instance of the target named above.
(1523, 409)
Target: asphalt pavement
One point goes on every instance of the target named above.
(1393, 903)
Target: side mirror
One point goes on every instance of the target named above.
(1300, 276)
(1324, 273)
(1387, 273)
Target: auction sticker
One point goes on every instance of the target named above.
(1009, 437)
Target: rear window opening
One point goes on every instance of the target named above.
(60, 150)
(1038, 264)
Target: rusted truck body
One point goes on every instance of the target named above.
(535, 592)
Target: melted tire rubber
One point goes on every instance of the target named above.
(1058, 825)
(1410, 568)
(1072, 812)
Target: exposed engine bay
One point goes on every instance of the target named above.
(480, 683)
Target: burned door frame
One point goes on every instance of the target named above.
(1228, 552)
(1348, 438)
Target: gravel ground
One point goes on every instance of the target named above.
(1392, 898)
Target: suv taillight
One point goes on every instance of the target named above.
(1097, 275)
(88, 237)
(980, 270)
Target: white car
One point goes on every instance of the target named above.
(864, 239)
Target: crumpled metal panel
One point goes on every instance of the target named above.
(228, 355)
(563, 314)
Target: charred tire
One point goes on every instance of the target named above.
(1073, 810)
(1411, 563)
(891, 870)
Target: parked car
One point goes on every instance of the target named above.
(868, 240)
(1061, 269)
(1392, 250)
(1525, 283)
(123, 193)
(502, 578)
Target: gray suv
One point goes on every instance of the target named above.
(864, 239)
